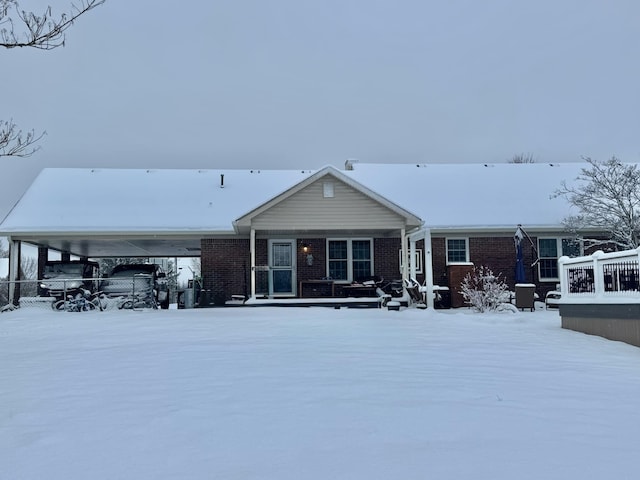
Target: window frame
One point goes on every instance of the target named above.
(419, 260)
(350, 259)
(559, 253)
(466, 250)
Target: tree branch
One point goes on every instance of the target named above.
(16, 143)
(40, 31)
(607, 196)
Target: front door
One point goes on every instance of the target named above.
(282, 268)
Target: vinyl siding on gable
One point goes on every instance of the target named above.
(310, 209)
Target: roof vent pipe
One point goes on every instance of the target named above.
(222, 180)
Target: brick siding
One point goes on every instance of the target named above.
(225, 268)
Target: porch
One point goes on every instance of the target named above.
(330, 302)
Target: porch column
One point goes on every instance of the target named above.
(405, 266)
(14, 271)
(252, 248)
(412, 257)
(428, 268)
(425, 235)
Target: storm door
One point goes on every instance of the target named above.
(281, 267)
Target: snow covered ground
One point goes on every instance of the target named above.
(315, 393)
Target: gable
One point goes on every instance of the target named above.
(310, 209)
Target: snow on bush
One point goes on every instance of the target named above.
(484, 291)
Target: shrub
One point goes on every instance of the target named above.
(483, 290)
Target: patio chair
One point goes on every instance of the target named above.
(413, 289)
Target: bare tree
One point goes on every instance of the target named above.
(16, 143)
(607, 196)
(18, 29)
(44, 32)
(522, 158)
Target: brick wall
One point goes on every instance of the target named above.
(497, 253)
(225, 268)
(387, 259)
(317, 250)
(226, 264)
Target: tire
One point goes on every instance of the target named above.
(97, 304)
(126, 305)
(165, 305)
(59, 305)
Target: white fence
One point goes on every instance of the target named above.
(601, 278)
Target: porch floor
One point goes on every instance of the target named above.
(335, 302)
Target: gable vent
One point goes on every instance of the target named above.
(327, 190)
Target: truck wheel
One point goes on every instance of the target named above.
(165, 304)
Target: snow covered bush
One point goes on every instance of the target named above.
(483, 290)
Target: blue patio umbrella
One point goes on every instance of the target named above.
(520, 275)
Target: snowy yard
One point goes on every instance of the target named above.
(316, 393)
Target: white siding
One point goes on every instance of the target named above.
(310, 209)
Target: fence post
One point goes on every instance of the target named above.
(598, 280)
(562, 274)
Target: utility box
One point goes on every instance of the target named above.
(525, 296)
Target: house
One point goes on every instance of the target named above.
(299, 233)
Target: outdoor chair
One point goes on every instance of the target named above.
(552, 299)
(413, 289)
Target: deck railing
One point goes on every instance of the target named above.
(601, 277)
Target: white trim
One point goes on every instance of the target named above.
(291, 267)
(466, 248)
(559, 253)
(418, 256)
(349, 258)
(328, 189)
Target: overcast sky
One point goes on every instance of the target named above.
(303, 84)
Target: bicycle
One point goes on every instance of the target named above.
(137, 302)
(82, 302)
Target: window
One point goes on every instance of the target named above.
(349, 260)
(549, 250)
(457, 250)
(418, 260)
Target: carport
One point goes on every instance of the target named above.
(97, 213)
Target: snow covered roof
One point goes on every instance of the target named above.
(474, 196)
(138, 200)
(180, 201)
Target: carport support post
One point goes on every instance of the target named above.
(14, 271)
(252, 248)
(43, 256)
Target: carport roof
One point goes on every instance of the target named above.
(139, 212)
(123, 201)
